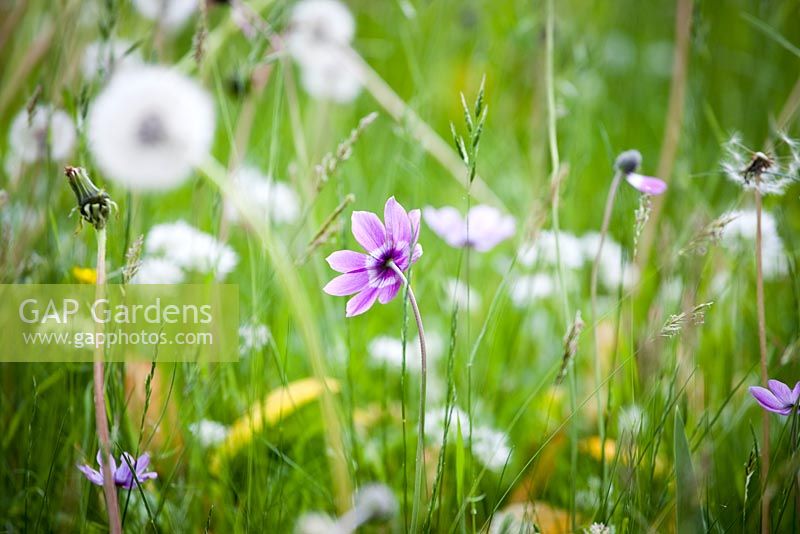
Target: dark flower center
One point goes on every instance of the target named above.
(151, 130)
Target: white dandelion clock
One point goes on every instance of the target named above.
(45, 132)
(149, 127)
(543, 250)
(253, 337)
(169, 13)
(490, 447)
(388, 351)
(190, 249)
(158, 271)
(460, 294)
(333, 76)
(318, 39)
(102, 58)
(209, 433)
(316, 26)
(276, 200)
(528, 289)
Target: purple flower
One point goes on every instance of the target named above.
(780, 399)
(482, 229)
(628, 163)
(123, 476)
(370, 276)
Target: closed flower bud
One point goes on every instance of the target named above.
(94, 204)
(628, 162)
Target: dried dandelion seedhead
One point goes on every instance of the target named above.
(94, 204)
(769, 173)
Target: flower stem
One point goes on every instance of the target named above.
(109, 489)
(598, 379)
(420, 461)
(762, 346)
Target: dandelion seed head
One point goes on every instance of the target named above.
(262, 195)
(149, 127)
(171, 14)
(318, 39)
(600, 528)
(318, 523)
(190, 249)
(45, 132)
(158, 271)
(490, 447)
(209, 433)
(543, 250)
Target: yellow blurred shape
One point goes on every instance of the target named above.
(84, 275)
(591, 446)
(278, 404)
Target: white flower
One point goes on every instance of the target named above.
(149, 127)
(612, 272)
(632, 421)
(435, 422)
(316, 26)
(600, 528)
(158, 271)
(741, 166)
(104, 57)
(170, 13)
(543, 249)
(386, 350)
(263, 196)
(30, 136)
(318, 523)
(507, 522)
(253, 337)
(318, 39)
(740, 234)
(490, 447)
(190, 249)
(461, 295)
(209, 433)
(526, 289)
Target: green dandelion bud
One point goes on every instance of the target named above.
(94, 204)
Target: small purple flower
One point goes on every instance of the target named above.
(482, 229)
(370, 276)
(123, 476)
(628, 163)
(780, 399)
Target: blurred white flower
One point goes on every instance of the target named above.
(740, 235)
(461, 295)
(527, 289)
(386, 350)
(170, 13)
(209, 433)
(263, 196)
(435, 420)
(102, 58)
(158, 271)
(543, 250)
(632, 420)
(613, 272)
(190, 249)
(253, 337)
(318, 523)
(599, 528)
(741, 165)
(149, 127)
(508, 522)
(318, 38)
(490, 447)
(45, 132)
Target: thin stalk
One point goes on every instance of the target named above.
(762, 346)
(598, 378)
(109, 489)
(420, 461)
(555, 181)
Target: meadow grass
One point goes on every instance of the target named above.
(652, 428)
